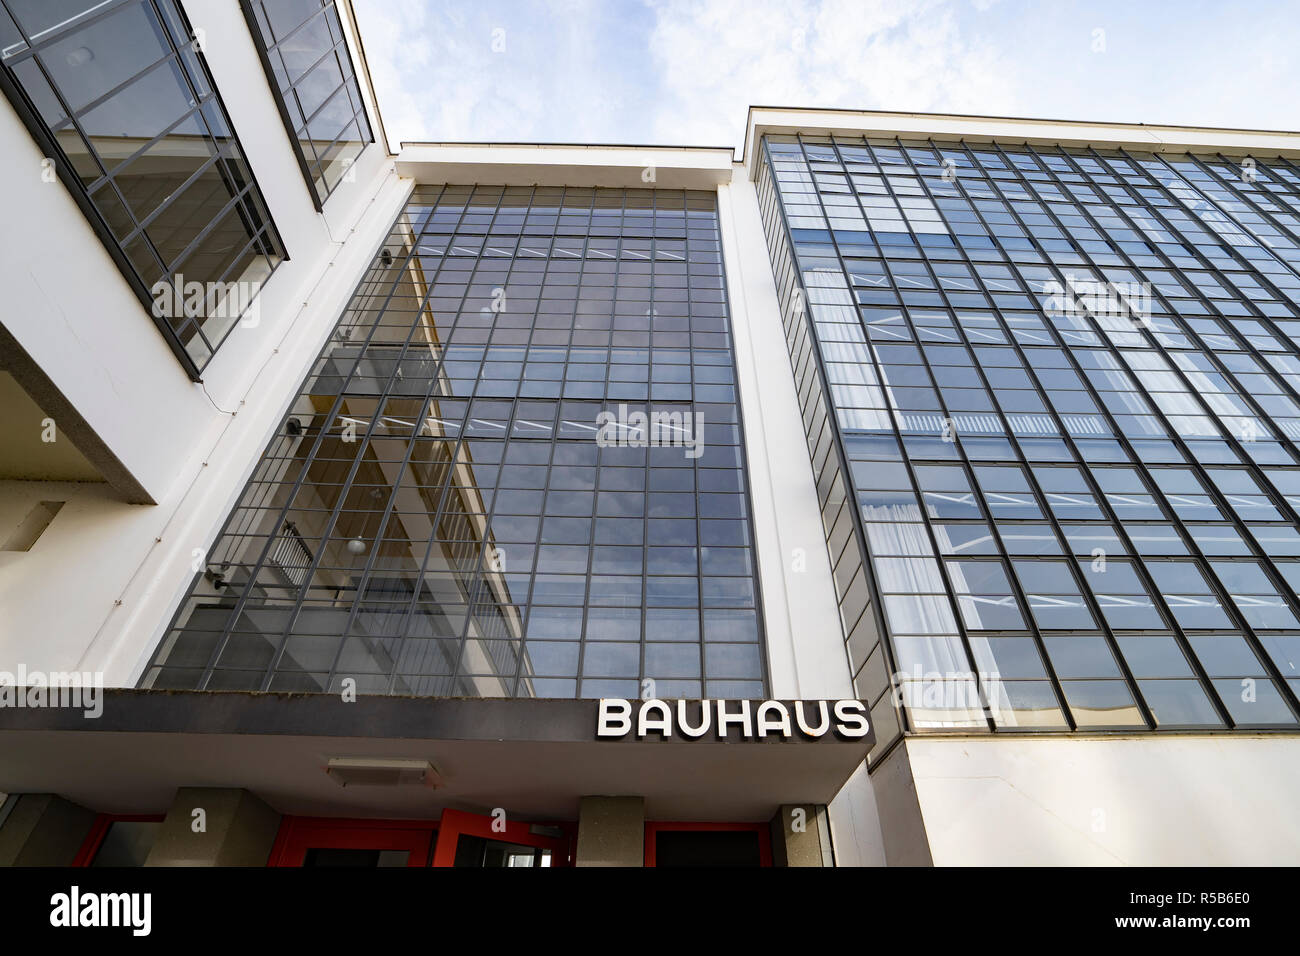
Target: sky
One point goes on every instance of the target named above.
(684, 72)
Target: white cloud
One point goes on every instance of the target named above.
(397, 46)
(716, 59)
(491, 71)
(685, 71)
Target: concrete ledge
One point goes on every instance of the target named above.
(543, 164)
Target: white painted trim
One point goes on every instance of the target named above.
(805, 641)
(361, 66)
(541, 164)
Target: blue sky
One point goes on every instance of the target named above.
(684, 71)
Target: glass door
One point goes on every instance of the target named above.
(477, 840)
(327, 842)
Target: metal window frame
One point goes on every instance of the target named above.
(260, 42)
(804, 318)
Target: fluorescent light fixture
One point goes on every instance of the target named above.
(382, 772)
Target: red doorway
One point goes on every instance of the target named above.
(330, 841)
(457, 839)
(472, 839)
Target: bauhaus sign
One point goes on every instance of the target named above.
(789, 720)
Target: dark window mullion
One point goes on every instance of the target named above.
(290, 498)
(1197, 468)
(896, 432)
(802, 322)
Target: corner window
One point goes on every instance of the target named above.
(306, 59)
(117, 96)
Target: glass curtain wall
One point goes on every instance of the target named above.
(1065, 385)
(516, 469)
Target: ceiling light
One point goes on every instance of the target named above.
(382, 772)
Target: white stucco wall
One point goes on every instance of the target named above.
(1124, 801)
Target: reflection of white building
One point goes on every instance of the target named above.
(419, 479)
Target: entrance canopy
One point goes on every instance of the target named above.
(408, 757)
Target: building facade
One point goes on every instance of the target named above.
(900, 489)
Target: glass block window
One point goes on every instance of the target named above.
(469, 496)
(307, 62)
(1060, 387)
(118, 96)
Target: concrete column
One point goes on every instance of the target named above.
(855, 822)
(801, 836)
(41, 829)
(611, 831)
(901, 824)
(238, 829)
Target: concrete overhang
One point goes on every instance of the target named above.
(545, 164)
(1003, 129)
(533, 757)
(30, 397)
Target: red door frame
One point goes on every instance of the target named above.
(457, 822)
(297, 835)
(99, 829)
(763, 830)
